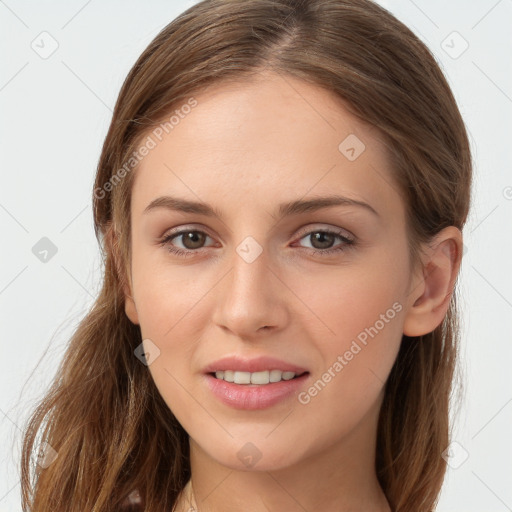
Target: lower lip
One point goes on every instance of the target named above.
(253, 396)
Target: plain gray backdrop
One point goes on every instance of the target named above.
(62, 67)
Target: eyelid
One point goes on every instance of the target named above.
(185, 228)
(332, 229)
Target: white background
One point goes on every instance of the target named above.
(54, 116)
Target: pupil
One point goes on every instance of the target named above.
(321, 237)
(194, 238)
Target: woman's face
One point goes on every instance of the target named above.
(301, 256)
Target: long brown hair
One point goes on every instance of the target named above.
(103, 415)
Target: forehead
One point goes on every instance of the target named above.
(256, 143)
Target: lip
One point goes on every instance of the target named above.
(257, 364)
(253, 396)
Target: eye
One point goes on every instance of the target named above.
(191, 239)
(322, 241)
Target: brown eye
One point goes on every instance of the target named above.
(185, 242)
(322, 239)
(193, 239)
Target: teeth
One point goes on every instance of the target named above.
(261, 378)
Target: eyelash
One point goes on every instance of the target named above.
(347, 243)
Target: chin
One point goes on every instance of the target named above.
(255, 456)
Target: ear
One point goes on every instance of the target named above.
(112, 242)
(129, 305)
(433, 287)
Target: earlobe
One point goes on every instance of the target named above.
(129, 304)
(130, 309)
(431, 295)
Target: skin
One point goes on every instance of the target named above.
(246, 148)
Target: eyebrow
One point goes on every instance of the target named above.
(284, 210)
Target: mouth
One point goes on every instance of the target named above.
(255, 390)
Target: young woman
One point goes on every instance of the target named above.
(280, 200)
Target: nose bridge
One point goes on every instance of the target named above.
(250, 268)
(249, 298)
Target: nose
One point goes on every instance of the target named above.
(251, 299)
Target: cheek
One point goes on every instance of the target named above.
(168, 299)
(168, 302)
(361, 311)
(350, 299)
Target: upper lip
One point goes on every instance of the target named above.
(257, 364)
